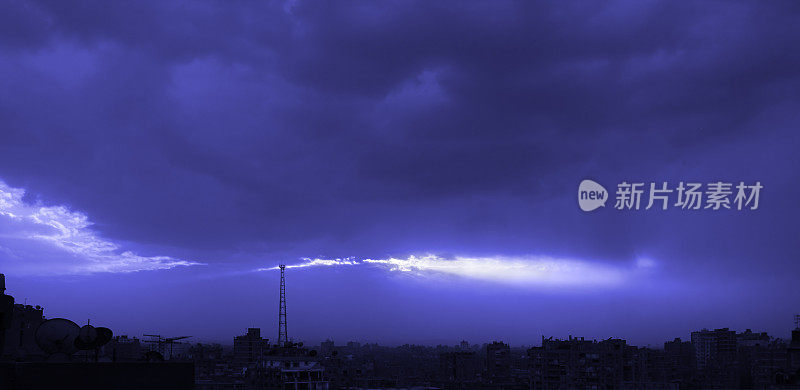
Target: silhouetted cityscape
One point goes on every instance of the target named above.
(41, 353)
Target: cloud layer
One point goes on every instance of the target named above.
(54, 240)
(237, 132)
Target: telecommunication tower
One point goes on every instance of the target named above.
(282, 335)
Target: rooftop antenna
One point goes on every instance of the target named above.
(282, 335)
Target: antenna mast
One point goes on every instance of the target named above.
(282, 335)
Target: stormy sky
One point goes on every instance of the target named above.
(417, 161)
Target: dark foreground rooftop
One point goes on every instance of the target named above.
(103, 375)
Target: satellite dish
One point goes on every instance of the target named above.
(90, 337)
(88, 334)
(57, 335)
(104, 335)
(87, 338)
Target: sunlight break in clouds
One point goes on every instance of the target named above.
(316, 263)
(531, 270)
(38, 239)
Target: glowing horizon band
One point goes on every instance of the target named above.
(525, 270)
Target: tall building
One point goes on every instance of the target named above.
(498, 360)
(248, 348)
(679, 361)
(714, 346)
(793, 351)
(715, 353)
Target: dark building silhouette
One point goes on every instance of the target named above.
(19, 338)
(248, 348)
(793, 352)
(18, 325)
(679, 362)
(102, 375)
(715, 353)
(287, 366)
(580, 363)
(327, 347)
(498, 362)
(460, 369)
(214, 368)
(123, 348)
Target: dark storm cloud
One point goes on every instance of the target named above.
(378, 127)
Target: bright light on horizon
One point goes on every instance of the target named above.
(524, 270)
